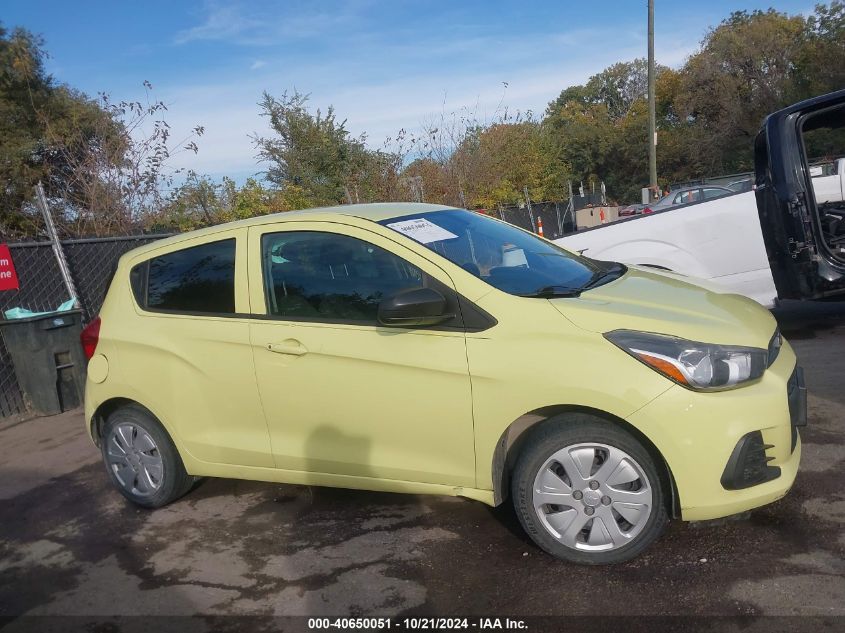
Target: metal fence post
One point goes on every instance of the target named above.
(559, 220)
(57, 246)
(530, 211)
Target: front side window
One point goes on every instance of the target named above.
(500, 254)
(330, 277)
(710, 194)
(197, 279)
(694, 195)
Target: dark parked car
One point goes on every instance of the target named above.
(746, 184)
(699, 193)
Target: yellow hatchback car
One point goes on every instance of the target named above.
(429, 350)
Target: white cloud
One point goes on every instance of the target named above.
(253, 25)
(221, 23)
(258, 63)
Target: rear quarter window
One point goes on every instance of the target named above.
(199, 279)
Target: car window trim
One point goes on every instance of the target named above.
(473, 318)
(484, 322)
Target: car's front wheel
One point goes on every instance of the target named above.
(588, 492)
(141, 460)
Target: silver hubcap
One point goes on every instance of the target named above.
(592, 497)
(134, 459)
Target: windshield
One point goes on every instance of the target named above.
(500, 254)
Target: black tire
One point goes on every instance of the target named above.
(173, 482)
(567, 430)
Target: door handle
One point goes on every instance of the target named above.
(291, 347)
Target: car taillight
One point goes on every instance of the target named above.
(89, 338)
(648, 210)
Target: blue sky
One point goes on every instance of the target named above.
(383, 65)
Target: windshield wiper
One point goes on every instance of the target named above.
(615, 270)
(549, 292)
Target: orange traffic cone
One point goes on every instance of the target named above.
(540, 227)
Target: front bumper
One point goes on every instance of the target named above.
(749, 462)
(697, 434)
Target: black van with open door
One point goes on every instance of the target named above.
(804, 236)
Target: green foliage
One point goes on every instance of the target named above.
(199, 202)
(29, 101)
(820, 64)
(103, 164)
(315, 154)
(744, 71)
(618, 87)
(504, 158)
(708, 111)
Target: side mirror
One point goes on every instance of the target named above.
(412, 308)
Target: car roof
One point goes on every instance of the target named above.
(667, 200)
(374, 212)
(694, 187)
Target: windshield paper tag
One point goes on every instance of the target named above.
(422, 231)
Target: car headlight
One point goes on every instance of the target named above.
(698, 366)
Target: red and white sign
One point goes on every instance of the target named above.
(8, 276)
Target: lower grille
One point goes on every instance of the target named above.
(748, 464)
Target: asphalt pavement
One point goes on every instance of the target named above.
(70, 545)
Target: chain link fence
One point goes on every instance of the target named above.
(557, 220)
(92, 263)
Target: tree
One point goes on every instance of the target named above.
(585, 135)
(199, 202)
(620, 87)
(311, 151)
(600, 128)
(617, 87)
(504, 158)
(820, 67)
(107, 177)
(743, 71)
(102, 171)
(29, 98)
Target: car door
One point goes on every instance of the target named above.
(803, 264)
(342, 394)
(187, 350)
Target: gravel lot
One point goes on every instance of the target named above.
(69, 545)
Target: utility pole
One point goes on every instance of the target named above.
(652, 114)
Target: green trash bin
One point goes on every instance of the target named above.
(48, 359)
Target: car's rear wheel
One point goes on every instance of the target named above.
(141, 460)
(588, 492)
